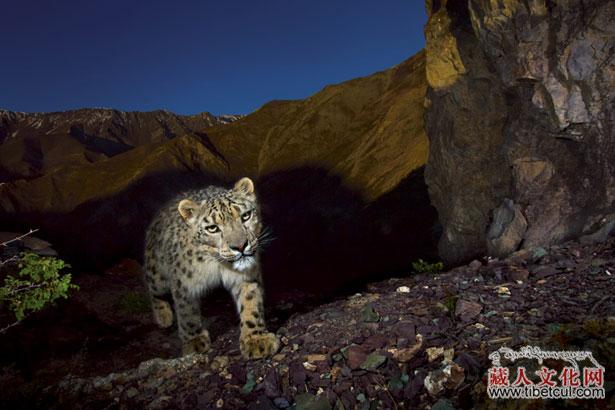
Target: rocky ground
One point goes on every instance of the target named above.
(416, 342)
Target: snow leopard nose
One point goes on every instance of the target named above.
(240, 248)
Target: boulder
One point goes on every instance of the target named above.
(466, 310)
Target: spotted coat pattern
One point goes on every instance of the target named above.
(201, 240)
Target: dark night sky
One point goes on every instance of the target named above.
(193, 56)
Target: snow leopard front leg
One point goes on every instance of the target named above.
(195, 339)
(254, 340)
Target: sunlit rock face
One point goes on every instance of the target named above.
(520, 120)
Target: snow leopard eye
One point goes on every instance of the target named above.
(246, 216)
(212, 228)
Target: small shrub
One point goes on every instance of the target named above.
(450, 302)
(420, 266)
(37, 283)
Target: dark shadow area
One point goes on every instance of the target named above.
(58, 333)
(326, 236)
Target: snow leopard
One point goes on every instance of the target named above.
(201, 240)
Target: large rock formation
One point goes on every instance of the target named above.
(339, 174)
(521, 120)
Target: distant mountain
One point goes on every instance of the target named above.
(35, 144)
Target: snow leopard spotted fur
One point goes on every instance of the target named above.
(202, 240)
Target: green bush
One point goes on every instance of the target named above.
(420, 266)
(37, 283)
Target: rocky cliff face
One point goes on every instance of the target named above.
(35, 144)
(520, 119)
(339, 175)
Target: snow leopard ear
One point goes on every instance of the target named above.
(187, 209)
(244, 186)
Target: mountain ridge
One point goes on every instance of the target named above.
(32, 144)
